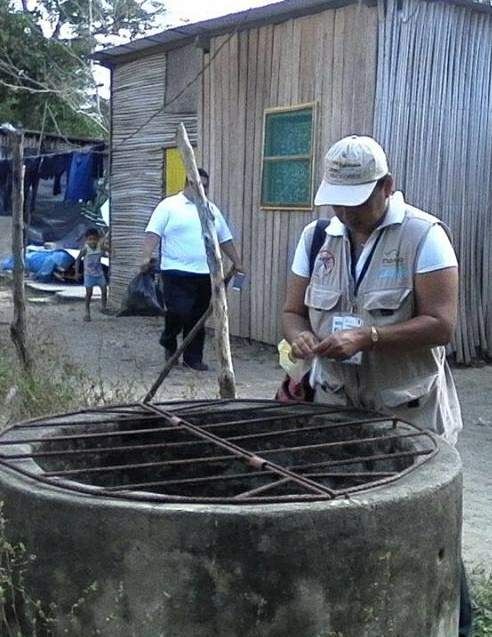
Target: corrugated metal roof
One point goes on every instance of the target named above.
(177, 36)
(275, 12)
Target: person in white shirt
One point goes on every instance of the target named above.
(175, 224)
(378, 306)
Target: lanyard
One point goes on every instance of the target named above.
(365, 267)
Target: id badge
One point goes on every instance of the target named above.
(348, 322)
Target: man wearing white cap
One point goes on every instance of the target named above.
(380, 305)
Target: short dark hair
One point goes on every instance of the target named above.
(203, 174)
(92, 232)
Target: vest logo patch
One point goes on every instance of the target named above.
(327, 258)
(392, 257)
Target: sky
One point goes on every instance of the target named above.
(187, 11)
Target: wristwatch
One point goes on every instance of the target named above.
(375, 336)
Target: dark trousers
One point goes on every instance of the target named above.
(187, 297)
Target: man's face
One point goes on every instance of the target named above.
(363, 218)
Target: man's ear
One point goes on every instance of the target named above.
(388, 185)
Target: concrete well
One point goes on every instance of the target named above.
(379, 563)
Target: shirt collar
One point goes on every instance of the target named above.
(394, 215)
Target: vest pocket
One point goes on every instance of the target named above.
(376, 300)
(392, 304)
(320, 298)
(413, 394)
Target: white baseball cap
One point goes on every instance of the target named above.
(353, 167)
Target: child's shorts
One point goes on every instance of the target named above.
(94, 281)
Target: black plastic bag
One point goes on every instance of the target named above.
(143, 297)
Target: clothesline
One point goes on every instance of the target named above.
(80, 149)
(81, 167)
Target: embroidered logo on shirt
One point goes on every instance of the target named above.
(327, 258)
(392, 257)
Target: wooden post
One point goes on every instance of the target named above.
(18, 331)
(181, 348)
(227, 383)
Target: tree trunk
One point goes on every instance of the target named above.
(18, 331)
(227, 383)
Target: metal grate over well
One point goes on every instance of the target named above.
(216, 451)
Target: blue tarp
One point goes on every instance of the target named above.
(42, 264)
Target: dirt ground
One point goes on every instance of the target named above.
(126, 354)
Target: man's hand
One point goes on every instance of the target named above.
(148, 266)
(344, 344)
(304, 345)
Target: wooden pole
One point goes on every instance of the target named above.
(18, 330)
(181, 348)
(227, 383)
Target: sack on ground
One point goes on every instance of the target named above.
(143, 297)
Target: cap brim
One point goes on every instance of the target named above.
(337, 195)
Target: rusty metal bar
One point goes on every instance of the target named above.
(79, 423)
(332, 445)
(172, 445)
(246, 476)
(375, 457)
(286, 417)
(244, 455)
(141, 465)
(247, 456)
(89, 436)
(262, 489)
(276, 432)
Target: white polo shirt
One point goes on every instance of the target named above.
(436, 253)
(177, 222)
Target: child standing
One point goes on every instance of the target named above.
(93, 272)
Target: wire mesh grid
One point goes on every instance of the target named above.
(234, 452)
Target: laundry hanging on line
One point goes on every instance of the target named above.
(82, 169)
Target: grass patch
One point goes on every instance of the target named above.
(50, 388)
(54, 386)
(481, 585)
(20, 614)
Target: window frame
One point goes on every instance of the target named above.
(311, 157)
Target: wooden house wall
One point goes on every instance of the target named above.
(434, 117)
(141, 129)
(328, 58)
(138, 90)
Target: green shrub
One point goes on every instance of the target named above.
(481, 584)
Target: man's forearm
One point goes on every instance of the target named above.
(420, 331)
(150, 243)
(230, 250)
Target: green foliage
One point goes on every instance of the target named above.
(49, 389)
(54, 386)
(482, 601)
(45, 69)
(101, 18)
(20, 614)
